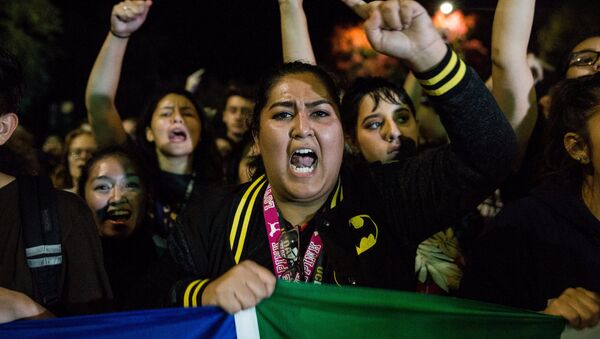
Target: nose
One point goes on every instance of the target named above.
(390, 131)
(118, 195)
(302, 126)
(177, 117)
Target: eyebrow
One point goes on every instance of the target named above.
(173, 107)
(370, 116)
(585, 50)
(288, 104)
(106, 177)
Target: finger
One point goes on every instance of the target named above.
(561, 308)
(245, 297)
(359, 7)
(139, 7)
(578, 302)
(589, 302)
(265, 275)
(390, 11)
(373, 29)
(593, 295)
(407, 11)
(229, 303)
(259, 289)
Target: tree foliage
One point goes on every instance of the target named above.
(29, 28)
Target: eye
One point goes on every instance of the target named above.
(283, 116)
(190, 115)
(101, 188)
(320, 114)
(373, 124)
(402, 119)
(164, 114)
(133, 185)
(402, 116)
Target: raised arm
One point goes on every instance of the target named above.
(126, 18)
(512, 80)
(295, 39)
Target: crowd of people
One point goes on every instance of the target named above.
(306, 181)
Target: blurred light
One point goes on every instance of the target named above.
(446, 8)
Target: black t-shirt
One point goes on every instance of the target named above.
(85, 284)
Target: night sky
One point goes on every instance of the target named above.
(229, 38)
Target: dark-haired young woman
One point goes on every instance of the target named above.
(305, 217)
(543, 252)
(173, 134)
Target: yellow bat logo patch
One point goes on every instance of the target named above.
(368, 227)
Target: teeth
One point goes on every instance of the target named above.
(304, 151)
(303, 169)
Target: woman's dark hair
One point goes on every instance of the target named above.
(206, 159)
(11, 83)
(61, 176)
(574, 102)
(378, 89)
(264, 89)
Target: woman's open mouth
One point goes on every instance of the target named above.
(118, 216)
(303, 161)
(177, 135)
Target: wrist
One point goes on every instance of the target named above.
(428, 58)
(289, 6)
(118, 35)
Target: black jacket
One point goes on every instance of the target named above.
(400, 204)
(539, 246)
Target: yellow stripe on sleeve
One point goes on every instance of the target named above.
(196, 290)
(335, 195)
(238, 253)
(440, 76)
(451, 83)
(186, 295)
(239, 210)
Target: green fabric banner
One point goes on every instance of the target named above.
(299, 310)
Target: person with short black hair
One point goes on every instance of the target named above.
(82, 285)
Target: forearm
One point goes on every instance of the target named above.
(513, 84)
(101, 92)
(479, 132)
(294, 34)
(15, 306)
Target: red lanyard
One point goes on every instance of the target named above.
(280, 265)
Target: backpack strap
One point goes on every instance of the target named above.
(42, 238)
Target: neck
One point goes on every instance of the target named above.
(298, 213)
(175, 165)
(590, 192)
(5, 179)
(234, 136)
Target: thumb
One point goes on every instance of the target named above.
(373, 30)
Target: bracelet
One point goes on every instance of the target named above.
(117, 35)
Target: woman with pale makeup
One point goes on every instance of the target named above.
(172, 135)
(115, 187)
(306, 217)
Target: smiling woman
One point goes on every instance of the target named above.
(115, 188)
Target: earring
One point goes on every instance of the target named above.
(584, 160)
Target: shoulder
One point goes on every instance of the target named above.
(74, 215)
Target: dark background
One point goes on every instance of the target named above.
(229, 38)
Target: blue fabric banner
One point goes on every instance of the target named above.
(204, 322)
